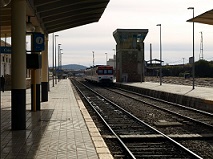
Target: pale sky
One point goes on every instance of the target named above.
(79, 43)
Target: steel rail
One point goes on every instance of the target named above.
(194, 155)
(118, 138)
(164, 101)
(167, 110)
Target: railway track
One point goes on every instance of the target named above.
(137, 138)
(200, 117)
(191, 133)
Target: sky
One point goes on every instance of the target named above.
(79, 43)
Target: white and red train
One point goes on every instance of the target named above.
(99, 74)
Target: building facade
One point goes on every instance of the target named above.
(5, 59)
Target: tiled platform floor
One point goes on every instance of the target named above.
(57, 131)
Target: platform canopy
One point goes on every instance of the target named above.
(56, 15)
(205, 18)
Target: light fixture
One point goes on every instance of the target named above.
(106, 58)
(4, 3)
(193, 52)
(190, 8)
(29, 26)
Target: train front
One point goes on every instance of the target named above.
(105, 74)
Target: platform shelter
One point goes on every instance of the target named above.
(38, 19)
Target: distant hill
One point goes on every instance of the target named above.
(74, 67)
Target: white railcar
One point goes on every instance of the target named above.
(99, 74)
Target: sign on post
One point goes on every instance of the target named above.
(38, 42)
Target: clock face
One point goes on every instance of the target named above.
(39, 40)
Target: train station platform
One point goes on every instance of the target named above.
(63, 129)
(200, 97)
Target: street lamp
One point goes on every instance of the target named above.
(106, 58)
(61, 58)
(160, 56)
(61, 62)
(55, 59)
(58, 59)
(93, 58)
(193, 57)
(114, 65)
(114, 57)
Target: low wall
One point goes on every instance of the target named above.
(193, 102)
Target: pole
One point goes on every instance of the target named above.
(58, 59)
(193, 56)
(160, 56)
(193, 71)
(53, 61)
(0, 91)
(150, 53)
(141, 65)
(106, 58)
(61, 58)
(114, 65)
(201, 46)
(114, 58)
(93, 58)
(5, 44)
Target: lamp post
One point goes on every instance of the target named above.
(106, 58)
(61, 64)
(114, 57)
(61, 58)
(55, 59)
(93, 58)
(201, 46)
(193, 57)
(160, 56)
(114, 65)
(58, 58)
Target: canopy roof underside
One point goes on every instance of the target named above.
(57, 15)
(205, 18)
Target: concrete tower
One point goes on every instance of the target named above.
(130, 54)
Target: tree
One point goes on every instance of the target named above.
(203, 69)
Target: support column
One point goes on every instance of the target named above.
(38, 89)
(33, 90)
(18, 91)
(35, 83)
(45, 72)
(38, 81)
